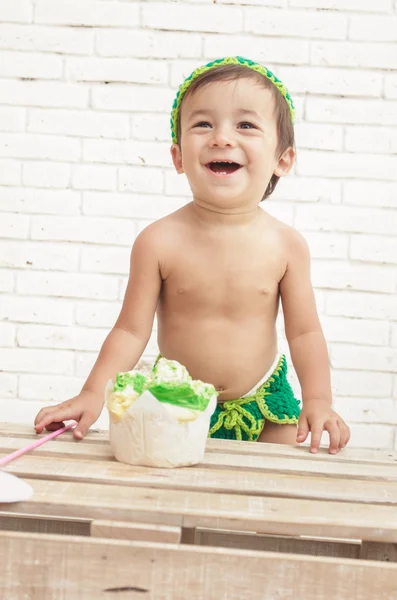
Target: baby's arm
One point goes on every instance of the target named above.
(123, 346)
(308, 349)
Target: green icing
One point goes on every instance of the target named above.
(181, 394)
(135, 380)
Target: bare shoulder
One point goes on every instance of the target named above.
(160, 233)
(292, 241)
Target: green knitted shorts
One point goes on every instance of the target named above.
(244, 419)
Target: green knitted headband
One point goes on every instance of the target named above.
(220, 62)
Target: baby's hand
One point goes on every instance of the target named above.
(317, 416)
(83, 408)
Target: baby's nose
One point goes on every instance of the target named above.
(222, 138)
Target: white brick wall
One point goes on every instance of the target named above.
(86, 88)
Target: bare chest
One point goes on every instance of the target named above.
(220, 278)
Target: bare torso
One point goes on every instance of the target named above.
(219, 299)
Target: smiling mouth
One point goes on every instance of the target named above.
(223, 167)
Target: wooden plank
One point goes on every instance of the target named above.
(43, 525)
(317, 466)
(142, 532)
(268, 543)
(360, 455)
(69, 448)
(181, 508)
(109, 569)
(233, 481)
(377, 551)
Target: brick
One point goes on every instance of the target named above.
(7, 281)
(346, 276)
(14, 226)
(8, 386)
(97, 259)
(349, 110)
(18, 145)
(24, 64)
(43, 93)
(116, 70)
(127, 152)
(328, 245)
(7, 335)
(373, 28)
(367, 410)
(137, 206)
(94, 177)
(151, 127)
(192, 18)
(12, 119)
(370, 193)
(132, 98)
(308, 189)
(262, 49)
(84, 361)
(275, 3)
(349, 5)
(292, 23)
(318, 136)
(28, 309)
(335, 82)
(17, 11)
(371, 436)
(355, 331)
(361, 305)
(79, 123)
(344, 164)
(176, 185)
(371, 139)
(31, 255)
(361, 384)
(354, 54)
(21, 360)
(10, 172)
(46, 175)
(46, 39)
(49, 388)
(345, 218)
(390, 86)
(40, 201)
(140, 179)
(363, 358)
(394, 335)
(58, 337)
(371, 248)
(97, 314)
(147, 44)
(119, 232)
(69, 285)
(87, 13)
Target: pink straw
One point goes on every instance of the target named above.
(9, 457)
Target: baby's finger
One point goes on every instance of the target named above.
(345, 434)
(83, 426)
(58, 415)
(317, 432)
(334, 436)
(41, 414)
(303, 429)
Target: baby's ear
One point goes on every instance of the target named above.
(177, 158)
(285, 162)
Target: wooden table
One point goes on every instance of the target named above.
(260, 519)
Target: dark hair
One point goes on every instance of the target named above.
(285, 128)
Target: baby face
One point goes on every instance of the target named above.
(228, 142)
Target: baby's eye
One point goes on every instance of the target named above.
(202, 124)
(247, 125)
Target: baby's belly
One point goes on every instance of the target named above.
(233, 356)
